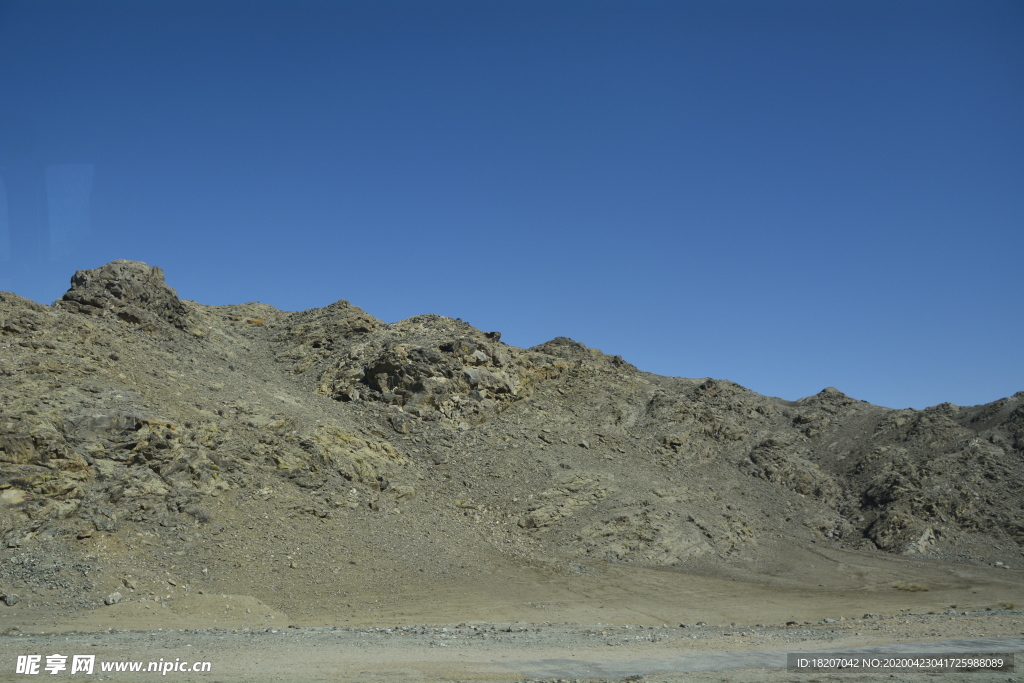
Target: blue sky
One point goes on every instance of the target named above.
(786, 194)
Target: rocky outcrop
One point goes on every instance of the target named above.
(781, 463)
(429, 367)
(563, 501)
(130, 290)
(309, 338)
(465, 378)
(20, 316)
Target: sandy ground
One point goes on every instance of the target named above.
(522, 624)
(506, 653)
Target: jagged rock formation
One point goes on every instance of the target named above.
(432, 368)
(133, 291)
(125, 411)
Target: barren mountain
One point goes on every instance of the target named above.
(330, 466)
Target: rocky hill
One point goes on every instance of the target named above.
(144, 437)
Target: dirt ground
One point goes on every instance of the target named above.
(522, 624)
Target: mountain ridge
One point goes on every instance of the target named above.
(129, 412)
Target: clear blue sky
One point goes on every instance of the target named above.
(789, 195)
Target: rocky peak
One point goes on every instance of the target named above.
(133, 291)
